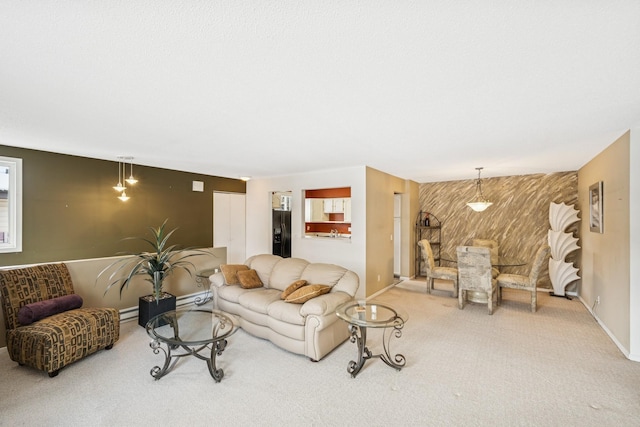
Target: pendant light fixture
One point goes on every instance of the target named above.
(479, 203)
(131, 180)
(121, 187)
(123, 196)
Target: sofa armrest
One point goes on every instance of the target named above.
(217, 279)
(324, 304)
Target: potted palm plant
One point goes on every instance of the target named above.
(155, 266)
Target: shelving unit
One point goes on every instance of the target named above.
(428, 227)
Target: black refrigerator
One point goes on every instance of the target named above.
(281, 238)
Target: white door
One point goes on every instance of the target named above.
(229, 225)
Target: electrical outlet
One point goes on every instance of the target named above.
(378, 277)
(598, 300)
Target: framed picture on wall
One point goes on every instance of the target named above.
(595, 208)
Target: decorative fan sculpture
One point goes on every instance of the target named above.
(562, 244)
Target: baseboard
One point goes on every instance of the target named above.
(131, 313)
(608, 332)
(381, 291)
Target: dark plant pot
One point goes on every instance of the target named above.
(148, 307)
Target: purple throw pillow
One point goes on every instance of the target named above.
(39, 310)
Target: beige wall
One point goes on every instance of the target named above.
(605, 257)
(518, 218)
(381, 188)
(634, 244)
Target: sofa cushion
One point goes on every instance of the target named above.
(326, 274)
(232, 293)
(287, 271)
(39, 310)
(305, 293)
(288, 313)
(292, 287)
(263, 265)
(230, 272)
(249, 279)
(258, 300)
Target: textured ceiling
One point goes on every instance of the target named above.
(424, 90)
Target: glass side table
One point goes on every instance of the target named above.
(361, 315)
(202, 281)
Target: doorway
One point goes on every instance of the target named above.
(397, 236)
(229, 225)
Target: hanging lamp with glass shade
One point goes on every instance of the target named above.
(123, 196)
(131, 180)
(479, 203)
(119, 187)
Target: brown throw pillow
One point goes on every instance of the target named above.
(230, 272)
(305, 293)
(249, 279)
(292, 287)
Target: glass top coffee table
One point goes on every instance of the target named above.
(188, 333)
(362, 315)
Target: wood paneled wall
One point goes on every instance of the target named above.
(518, 218)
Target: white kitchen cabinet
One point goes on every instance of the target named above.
(347, 210)
(334, 205)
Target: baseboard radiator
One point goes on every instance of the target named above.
(131, 313)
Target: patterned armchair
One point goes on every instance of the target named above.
(55, 341)
(474, 274)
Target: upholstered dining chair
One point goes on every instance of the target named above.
(474, 274)
(47, 327)
(436, 272)
(494, 248)
(526, 283)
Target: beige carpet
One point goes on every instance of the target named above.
(552, 368)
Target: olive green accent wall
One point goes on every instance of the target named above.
(71, 211)
(518, 218)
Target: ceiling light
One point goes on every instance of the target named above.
(123, 196)
(119, 187)
(479, 203)
(245, 178)
(131, 180)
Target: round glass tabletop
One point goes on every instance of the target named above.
(193, 327)
(371, 314)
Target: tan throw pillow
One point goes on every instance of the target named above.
(292, 287)
(249, 279)
(305, 293)
(230, 272)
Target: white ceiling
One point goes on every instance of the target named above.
(424, 90)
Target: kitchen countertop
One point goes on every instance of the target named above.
(341, 236)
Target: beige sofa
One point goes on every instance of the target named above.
(312, 328)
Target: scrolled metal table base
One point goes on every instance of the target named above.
(216, 350)
(359, 336)
(201, 282)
